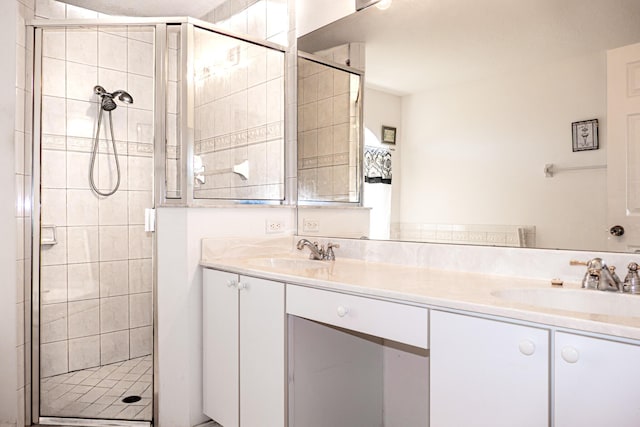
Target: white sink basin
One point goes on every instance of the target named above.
(289, 263)
(580, 300)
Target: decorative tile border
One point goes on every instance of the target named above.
(256, 135)
(493, 235)
(338, 159)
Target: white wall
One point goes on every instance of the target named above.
(8, 338)
(484, 144)
(406, 385)
(348, 222)
(179, 324)
(313, 14)
(8, 341)
(382, 108)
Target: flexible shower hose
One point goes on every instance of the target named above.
(94, 152)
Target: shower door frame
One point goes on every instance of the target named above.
(36, 28)
(187, 121)
(186, 199)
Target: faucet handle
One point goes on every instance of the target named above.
(591, 278)
(632, 280)
(329, 255)
(576, 262)
(592, 263)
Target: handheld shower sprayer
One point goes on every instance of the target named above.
(123, 96)
(107, 103)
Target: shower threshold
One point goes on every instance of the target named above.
(98, 393)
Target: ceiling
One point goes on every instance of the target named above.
(193, 8)
(420, 44)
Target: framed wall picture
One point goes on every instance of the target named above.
(585, 135)
(388, 135)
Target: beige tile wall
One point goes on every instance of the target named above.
(173, 118)
(239, 116)
(96, 282)
(260, 19)
(327, 133)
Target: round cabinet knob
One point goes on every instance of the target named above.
(231, 283)
(342, 310)
(527, 347)
(570, 354)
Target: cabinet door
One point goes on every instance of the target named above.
(262, 353)
(220, 347)
(487, 373)
(596, 382)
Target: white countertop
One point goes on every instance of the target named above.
(436, 288)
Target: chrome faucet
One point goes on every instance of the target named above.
(611, 280)
(599, 276)
(318, 252)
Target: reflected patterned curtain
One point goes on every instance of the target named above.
(377, 165)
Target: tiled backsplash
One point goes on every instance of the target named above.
(96, 281)
(523, 236)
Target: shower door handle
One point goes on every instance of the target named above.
(149, 220)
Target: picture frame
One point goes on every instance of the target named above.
(585, 135)
(388, 134)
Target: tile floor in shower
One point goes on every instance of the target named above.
(98, 392)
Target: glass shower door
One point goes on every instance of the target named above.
(96, 293)
(239, 119)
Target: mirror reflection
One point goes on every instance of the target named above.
(482, 96)
(329, 110)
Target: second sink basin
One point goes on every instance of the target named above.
(289, 263)
(580, 300)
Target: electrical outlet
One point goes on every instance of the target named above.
(310, 225)
(274, 226)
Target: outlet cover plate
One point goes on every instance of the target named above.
(310, 225)
(274, 226)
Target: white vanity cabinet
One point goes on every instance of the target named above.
(597, 382)
(487, 373)
(243, 350)
(356, 361)
(403, 323)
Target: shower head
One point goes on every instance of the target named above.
(107, 99)
(123, 96)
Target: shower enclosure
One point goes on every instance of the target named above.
(196, 116)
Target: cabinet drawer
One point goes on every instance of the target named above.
(398, 322)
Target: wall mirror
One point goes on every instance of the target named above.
(480, 98)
